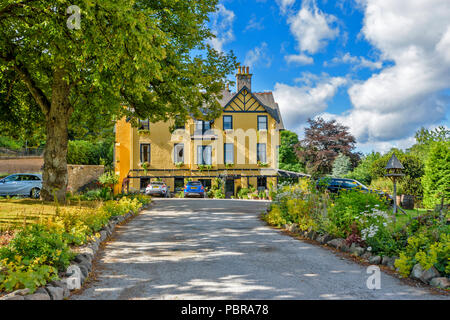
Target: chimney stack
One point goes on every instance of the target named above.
(244, 78)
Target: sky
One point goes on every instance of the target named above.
(380, 67)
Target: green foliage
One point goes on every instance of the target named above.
(39, 251)
(8, 143)
(217, 189)
(287, 158)
(25, 274)
(243, 193)
(57, 75)
(38, 241)
(299, 203)
(341, 166)
(425, 139)
(108, 180)
(89, 153)
(348, 207)
(429, 246)
(436, 181)
(386, 185)
(362, 172)
(414, 170)
(202, 167)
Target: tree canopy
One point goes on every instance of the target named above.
(436, 180)
(341, 166)
(288, 160)
(323, 142)
(133, 58)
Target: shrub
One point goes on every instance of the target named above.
(348, 208)
(8, 143)
(89, 153)
(299, 203)
(429, 246)
(436, 181)
(276, 217)
(23, 274)
(108, 180)
(38, 242)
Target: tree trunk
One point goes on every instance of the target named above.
(55, 176)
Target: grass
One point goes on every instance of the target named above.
(402, 219)
(16, 213)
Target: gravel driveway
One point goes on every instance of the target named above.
(219, 249)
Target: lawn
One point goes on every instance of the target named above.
(15, 213)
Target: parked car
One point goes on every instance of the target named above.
(157, 188)
(334, 185)
(194, 188)
(21, 184)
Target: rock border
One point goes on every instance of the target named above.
(430, 277)
(60, 289)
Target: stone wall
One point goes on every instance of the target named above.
(80, 175)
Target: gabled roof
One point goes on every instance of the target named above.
(265, 99)
(394, 163)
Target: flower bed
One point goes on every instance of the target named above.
(40, 252)
(360, 223)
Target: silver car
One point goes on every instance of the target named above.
(21, 184)
(159, 188)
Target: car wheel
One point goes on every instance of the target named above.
(35, 193)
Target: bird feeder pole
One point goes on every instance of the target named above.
(394, 170)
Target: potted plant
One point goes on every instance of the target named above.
(143, 132)
(262, 164)
(145, 165)
(179, 164)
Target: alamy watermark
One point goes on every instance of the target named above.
(374, 281)
(74, 21)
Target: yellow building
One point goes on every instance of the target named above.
(240, 147)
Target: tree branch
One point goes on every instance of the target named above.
(38, 95)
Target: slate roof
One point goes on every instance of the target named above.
(394, 163)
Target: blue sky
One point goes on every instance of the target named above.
(380, 67)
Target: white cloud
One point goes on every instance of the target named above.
(258, 56)
(285, 5)
(392, 104)
(298, 103)
(301, 59)
(222, 27)
(312, 28)
(255, 24)
(356, 62)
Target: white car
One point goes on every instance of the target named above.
(157, 188)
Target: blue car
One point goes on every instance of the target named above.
(21, 184)
(194, 188)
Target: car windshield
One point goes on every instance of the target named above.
(157, 182)
(11, 178)
(194, 183)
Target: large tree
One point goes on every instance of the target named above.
(130, 57)
(436, 180)
(425, 139)
(323, 142)
(288, 160)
